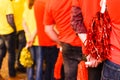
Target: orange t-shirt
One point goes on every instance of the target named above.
(58, 12)
(89, 9)
(114, 13)
(39, 7)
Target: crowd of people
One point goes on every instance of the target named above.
(57, 30)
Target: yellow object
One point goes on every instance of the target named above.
(5, 9)
(18, 7)
(26, 58)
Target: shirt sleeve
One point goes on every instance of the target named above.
(48, 16)
(77, 18)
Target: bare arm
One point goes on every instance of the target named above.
(49, 29)
(77, 23)
(28, 34)
(10, 19)
(83, 37)
(25, 28)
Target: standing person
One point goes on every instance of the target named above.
(58, 12)
(49, 47)
(82, 13)
(18, 6)
(112, 64)
(29, 24)
(7, 34)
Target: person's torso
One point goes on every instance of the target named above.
(39, 7)
(114, 13)
(5, 9)
(18, 6)
(89, 9)
(61, 12)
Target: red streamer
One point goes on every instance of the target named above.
(98, 39)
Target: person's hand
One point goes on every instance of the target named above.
(92, 62)
(30, 40)
(61, 48)
(29, 43)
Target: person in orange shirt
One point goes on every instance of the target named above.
(58, 12)
(112, 64)
(49, 47)
(82, 13)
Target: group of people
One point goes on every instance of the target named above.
(22, 26)
(73, 19)
(49, 26)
